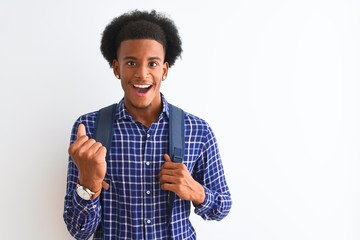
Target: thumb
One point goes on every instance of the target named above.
(167, 158)
(81, 130)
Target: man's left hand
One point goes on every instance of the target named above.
(175, 177)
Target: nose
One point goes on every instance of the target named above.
(142, 71)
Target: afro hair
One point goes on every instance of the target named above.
(141, 25)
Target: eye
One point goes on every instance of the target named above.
(131, 63)
(153, 64)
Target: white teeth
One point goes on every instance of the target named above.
(142, 86)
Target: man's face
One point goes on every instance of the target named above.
(140, 65)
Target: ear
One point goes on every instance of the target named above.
(116, 68)
(165, 70)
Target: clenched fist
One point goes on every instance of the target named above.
(89, 157)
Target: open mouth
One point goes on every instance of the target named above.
(143, 88)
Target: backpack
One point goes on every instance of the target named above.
(103, 133)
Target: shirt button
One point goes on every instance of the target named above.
(147, 163)
(147, 192)
(148, 135)
(148, 221)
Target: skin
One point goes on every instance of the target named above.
(176, 177)
(140, 63)
(89, 158)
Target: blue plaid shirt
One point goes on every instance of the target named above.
(135, 207)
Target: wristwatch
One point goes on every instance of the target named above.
(84, 192)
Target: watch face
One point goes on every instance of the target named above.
(82, 193)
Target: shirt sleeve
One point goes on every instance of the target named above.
(210, 173)
(81, 217)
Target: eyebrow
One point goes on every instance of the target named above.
(134, 58)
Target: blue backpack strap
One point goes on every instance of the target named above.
(176, 145)
(176, 133)
(104, 126)
(103, 133)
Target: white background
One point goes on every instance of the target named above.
(278, 81)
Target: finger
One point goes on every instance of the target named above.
(169, 187)
(167, 157)
(100, 150)
(75, 146)
(97, 151)
(167, 171)
(88, 147)
(81, 131)
(105, 185)
(167, 179)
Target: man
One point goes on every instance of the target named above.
(126, 196)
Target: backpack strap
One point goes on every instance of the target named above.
(176, 145)
(104, 126)
(176, 133)
(103, 133)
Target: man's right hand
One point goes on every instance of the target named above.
(89, 157)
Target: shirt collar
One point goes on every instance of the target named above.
(122, 113)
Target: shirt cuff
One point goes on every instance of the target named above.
(85, 205)
(207, 204)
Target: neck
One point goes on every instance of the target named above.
(146, 115)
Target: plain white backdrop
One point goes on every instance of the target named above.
(278, 81)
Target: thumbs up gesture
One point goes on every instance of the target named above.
(89, 157)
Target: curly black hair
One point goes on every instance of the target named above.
(137, 24)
